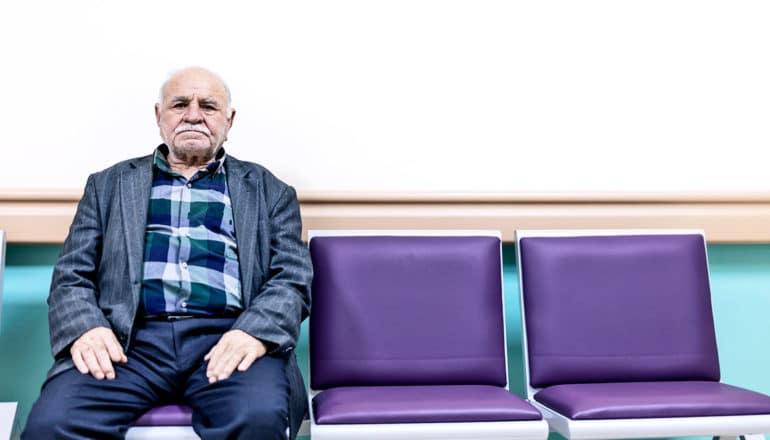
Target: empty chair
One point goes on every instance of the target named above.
(407, 338)
(619, 337)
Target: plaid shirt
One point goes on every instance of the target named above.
(190, 253)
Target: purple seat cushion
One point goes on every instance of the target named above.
(390, 310)
(652, 399)
(169, 415)
(420, 404)
(618, 308)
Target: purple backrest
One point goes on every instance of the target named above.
(406, 310)
(617, 308)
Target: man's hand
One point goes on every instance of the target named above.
(95, 351)
(235, 348)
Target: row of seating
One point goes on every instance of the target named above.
(407, 339)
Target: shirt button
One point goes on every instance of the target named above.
(183, 304)
(184, 265)
(189, 185)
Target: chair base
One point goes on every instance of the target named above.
(182, 432)
(514, 430)
(723, 426)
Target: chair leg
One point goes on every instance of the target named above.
(741, 437)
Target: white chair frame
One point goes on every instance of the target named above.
(182, 432)
(749, 427)
(161, 433)
(514, 430)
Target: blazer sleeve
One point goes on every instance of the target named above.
(283, 300)
(72, 301)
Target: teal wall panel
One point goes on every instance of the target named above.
(740, 280)
(24, 351)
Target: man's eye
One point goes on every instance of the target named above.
(178, 105)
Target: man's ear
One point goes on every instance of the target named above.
(157, 112)
(230, 119)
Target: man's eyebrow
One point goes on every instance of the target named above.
(183, 99)
(209, 101)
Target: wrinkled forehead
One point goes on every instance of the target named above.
(195, 85)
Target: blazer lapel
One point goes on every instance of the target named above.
(135, 188)
(243, 188)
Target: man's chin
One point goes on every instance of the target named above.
(193, 145)
(192, 150)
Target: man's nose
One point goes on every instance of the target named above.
(193, 113)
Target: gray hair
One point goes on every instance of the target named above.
(161, 93)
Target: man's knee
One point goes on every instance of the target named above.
(46, 421)
(250, 419)
(72, 405)
(269, 419)
(250, 404)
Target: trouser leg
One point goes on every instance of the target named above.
(251, 404)
(77, 406)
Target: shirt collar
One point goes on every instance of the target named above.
(160, 161)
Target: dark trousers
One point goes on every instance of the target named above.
(165, 365)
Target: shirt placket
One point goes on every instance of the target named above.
(185, 245)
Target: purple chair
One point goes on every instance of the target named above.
(619, 337)
(407, 338)
(174, 422)
(170, 422)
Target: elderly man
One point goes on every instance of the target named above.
(183, 279)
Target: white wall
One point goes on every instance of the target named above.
(400, 95)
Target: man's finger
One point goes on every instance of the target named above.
(228, 366)
(105, 364)
(92, 363)
(77, 359)
(212, 357)
(213, 365)
(213, 352)
(216, 367)
(115, 350)
(247, 361)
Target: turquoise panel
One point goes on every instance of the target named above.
(24, 345)
(740, 280)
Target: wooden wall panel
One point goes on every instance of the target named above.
(44, 216)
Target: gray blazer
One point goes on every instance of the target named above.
(98, 278)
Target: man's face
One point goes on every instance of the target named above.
(193, 117)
